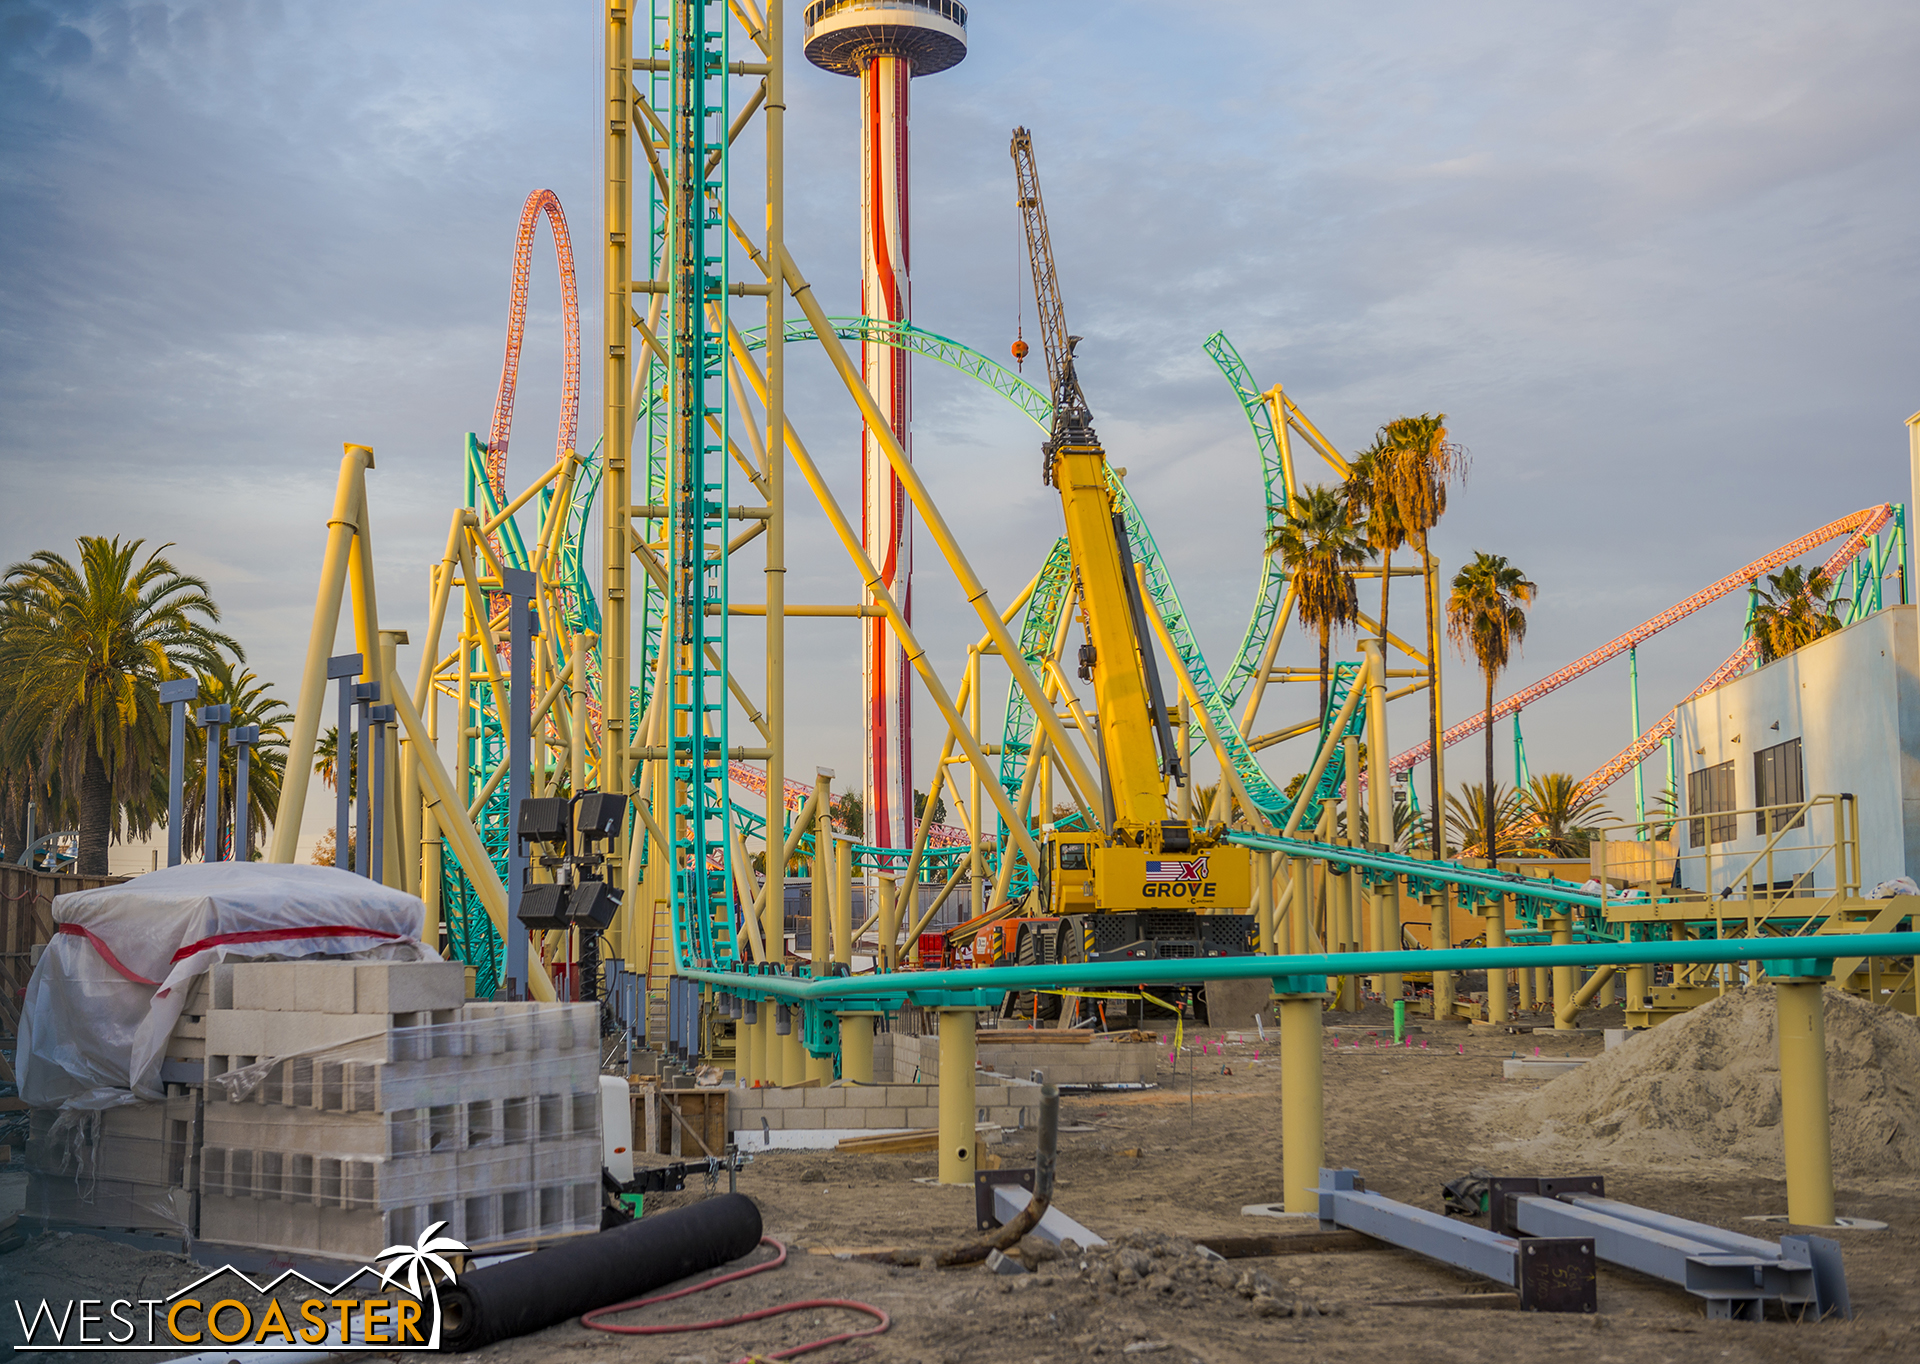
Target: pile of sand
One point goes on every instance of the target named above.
(1705, 1088)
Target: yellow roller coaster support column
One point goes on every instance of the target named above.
(1800, 1022)
(1563, 976)
(793, 1051)
(956, 1096)
(1639, 985)
(856, 1048)
(1302, 1114)
(750, 1062)
(1497, 978)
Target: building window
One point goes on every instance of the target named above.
(1710, 792)
(1779, 778)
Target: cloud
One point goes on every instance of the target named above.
(1651, 260)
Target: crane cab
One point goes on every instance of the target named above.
(1070, 873)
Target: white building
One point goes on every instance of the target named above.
(1841, 715)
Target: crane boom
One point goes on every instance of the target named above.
(1119, 658)
(1072, 423)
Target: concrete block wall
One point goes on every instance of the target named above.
(878, 1107)
(1062, 1062)
(410, 1109)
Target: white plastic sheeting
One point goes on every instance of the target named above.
(110, 987)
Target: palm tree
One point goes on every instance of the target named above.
(1564, 819)
(1367, 493)
(1421, 463)
(326, 752)
(1792, 611)
(87, 648)
(252, 703)
(1320, 547)
(1467, 815)
(1485, 616)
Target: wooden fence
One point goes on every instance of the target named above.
(26, 920)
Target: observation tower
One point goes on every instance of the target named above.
(886, 43)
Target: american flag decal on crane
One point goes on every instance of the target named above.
(1195, 870)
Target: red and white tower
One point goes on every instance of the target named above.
(886, 43)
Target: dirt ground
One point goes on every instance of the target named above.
(1150, 1170)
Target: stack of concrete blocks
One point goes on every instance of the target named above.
(126, 1169)
(1010, 1104)
(134, 1168)
(364, 1102)
(1019, 1053)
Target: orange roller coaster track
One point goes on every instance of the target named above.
(1857, 528)
(537, 202)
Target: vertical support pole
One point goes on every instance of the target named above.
(177, 694)
(387, 817)
(616, 446)
(1563, 976)
(211, 718)
(577, 690)
(1800, 1023)
(1393, 918)
(1263, 902)
(843, 901)
(1639, 768)
(243, 738)
(382, 718)
(820, 869)
(520, 587)
(1639, 983)
(957, 1055)
(1302, 1115)
(1379, 797)
(1440, 934)
(344, 668)
(364, 695)
(774, 409)
(793, 1052)
(856, 1048)
(976, 867)
(431, 850)
(886, 948)
(1430, 578)
(1497, 976)
(750, 1053)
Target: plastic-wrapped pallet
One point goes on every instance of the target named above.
(350, 1106)
(131, 1168)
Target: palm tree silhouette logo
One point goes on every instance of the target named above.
(426, 1255)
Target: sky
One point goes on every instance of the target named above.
(1654, 262)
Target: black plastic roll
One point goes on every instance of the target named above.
(575, 1277)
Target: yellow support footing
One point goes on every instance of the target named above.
(957, 1097)
(1801, 1025)
(856, 1048)
(1302, 1105)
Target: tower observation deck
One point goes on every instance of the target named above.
(885, 43)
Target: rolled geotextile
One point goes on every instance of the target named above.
(550, 1286)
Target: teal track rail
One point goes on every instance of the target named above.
(934, 346)
(1303, 974)
(1273, 578)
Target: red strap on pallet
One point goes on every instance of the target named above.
(223, 939)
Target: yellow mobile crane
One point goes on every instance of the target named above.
(1141, 859)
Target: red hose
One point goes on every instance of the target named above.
(591, 1320)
